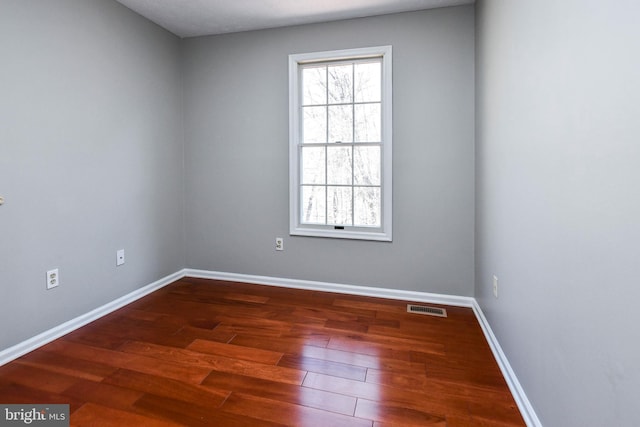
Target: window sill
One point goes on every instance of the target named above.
(341, 234)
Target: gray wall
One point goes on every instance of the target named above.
(236, 155)
(558, 202)
(90, 158)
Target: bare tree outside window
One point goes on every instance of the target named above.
(341, 143)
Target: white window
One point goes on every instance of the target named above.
(340, 144)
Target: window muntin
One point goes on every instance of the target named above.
(340, 144)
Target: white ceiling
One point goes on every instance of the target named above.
(189, 18)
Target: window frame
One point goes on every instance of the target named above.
(296, 63)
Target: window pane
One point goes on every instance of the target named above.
(366, 164)
(340, 83)
(313, 203)
(341, 123)
(367, 206)
(339, 165)
(339, 205)
(314, 125)
(368, 119)
(340, 144)
(314, 86)
(368, 82)
(313, 164)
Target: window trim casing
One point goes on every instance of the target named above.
(384, 232)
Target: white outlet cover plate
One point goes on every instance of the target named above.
(495, 286)
(120, 257)
(53, 278)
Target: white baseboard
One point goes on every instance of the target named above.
(335, 287)
(46, 337)
(518, 393)
(527, 411)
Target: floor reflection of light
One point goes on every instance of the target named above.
(338, 385)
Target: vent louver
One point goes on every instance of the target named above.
(424, 309)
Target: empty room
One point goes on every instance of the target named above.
(358, 213)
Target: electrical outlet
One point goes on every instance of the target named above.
(495, 286)
(120, 257)
(279, 244)
(53, 278)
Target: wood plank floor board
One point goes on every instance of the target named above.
(222, 305)
(336, 369)
(399, 380)
(304, 318)
(324, 314)
(202, 352)
(163, 387)
(287, 343)
(266, 357)
(192, 416)
(373, 304)
(433, 400)
(96, 338)
(262, 331)
(236, 296)
(438, 331)
(389, 414)
(118, 329)
(496, 406)
(366, 342)
(94, 415)
(348, 325)
(174, 410)
(359, 344)
(187, 309)
(70, 366)
(210, 362)
(458, 370)
(189, 334)
(424, 344)
(103, 394)
(362, 360)
(311, 397)
(15, 393)
(36, 378)
(134, 362)
(262, 325)
(288, 413)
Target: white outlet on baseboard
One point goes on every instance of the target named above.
(120, 257)
(53, 278)
(495, 286)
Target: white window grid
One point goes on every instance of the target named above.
(325, 60)
(326, 65)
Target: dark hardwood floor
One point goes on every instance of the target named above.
(203, 352)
